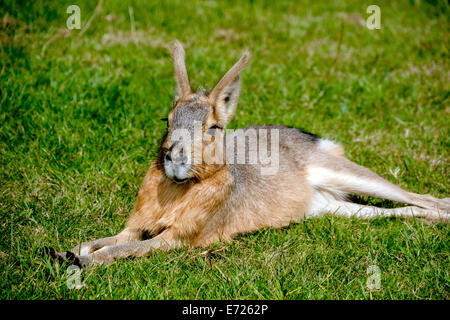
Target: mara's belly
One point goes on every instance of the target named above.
(275, 204)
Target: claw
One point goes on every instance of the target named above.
(68, 256)
(60, 257)
(80, 261)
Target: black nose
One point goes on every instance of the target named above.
(177, 156)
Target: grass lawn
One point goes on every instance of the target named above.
(80, 125)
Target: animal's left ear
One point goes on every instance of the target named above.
(225, 95)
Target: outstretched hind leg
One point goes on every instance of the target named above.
(324, 203)
(339, 175)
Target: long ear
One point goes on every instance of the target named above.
(181, 76)
(224, 97)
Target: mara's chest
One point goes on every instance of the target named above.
(183, 208)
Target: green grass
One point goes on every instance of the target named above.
(80, 125)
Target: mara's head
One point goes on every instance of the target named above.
(190, 150)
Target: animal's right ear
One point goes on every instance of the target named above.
(181, 76)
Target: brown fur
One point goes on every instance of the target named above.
(202, 212)
(182, 209)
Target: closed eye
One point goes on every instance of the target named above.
(213, 129)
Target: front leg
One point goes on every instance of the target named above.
(125, 236)
(130, 249)
(86, 248)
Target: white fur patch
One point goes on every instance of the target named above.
(320, 204)
(84, 251)
(330, 147)
(344, 182)
(326, 145)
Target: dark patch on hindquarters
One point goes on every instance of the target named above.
(313, 137)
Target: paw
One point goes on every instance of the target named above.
(89, 259)
(59, 257)
(68, 257)
(79, 260)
